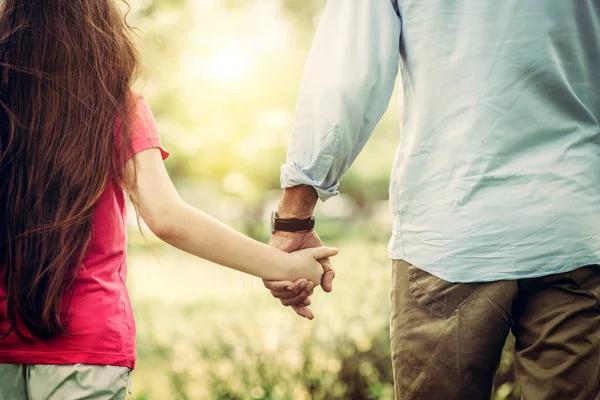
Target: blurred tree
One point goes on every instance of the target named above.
(222, 78)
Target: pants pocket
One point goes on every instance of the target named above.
(588, 279)
(441, 297)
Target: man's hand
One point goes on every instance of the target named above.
(298, 202)
(296, 294)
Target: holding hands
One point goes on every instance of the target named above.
(296, 294)
(308, 264)
(298, 203)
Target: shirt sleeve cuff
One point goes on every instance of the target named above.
(292, 175)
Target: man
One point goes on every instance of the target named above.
(495, 188)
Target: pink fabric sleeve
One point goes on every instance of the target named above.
(144, 130)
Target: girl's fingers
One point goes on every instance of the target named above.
(325, 252)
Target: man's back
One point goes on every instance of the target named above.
(497, 178)
(498, 171)
(497, 175)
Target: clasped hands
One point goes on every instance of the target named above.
(297, 294)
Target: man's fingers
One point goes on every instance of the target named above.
(279, 285)
(306, 288)
(285, 288)
(329, 274)
(303, 311)
(287, 294)
(327, 281)
(310, 287)
(300, 298)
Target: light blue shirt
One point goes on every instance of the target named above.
(497, 175)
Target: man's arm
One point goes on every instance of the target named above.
(348, 82)
(298, 202)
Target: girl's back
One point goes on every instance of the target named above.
(66, 68)
(72, 136)
(97, 310)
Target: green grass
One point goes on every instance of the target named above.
(205, 332)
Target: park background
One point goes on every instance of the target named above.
(222, 77)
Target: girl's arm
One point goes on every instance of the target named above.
(197, 233)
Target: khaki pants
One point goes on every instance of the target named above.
(447, 338)
(63, 382)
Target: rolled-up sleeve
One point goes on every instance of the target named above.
(348, 82)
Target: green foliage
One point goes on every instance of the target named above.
(232, 341)
(222, 78)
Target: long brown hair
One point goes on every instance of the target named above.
(66, 68)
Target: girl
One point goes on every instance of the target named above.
(74, 139)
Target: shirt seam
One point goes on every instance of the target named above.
(405, 87)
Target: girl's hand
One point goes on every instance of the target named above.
(297, 293)
(306, 263)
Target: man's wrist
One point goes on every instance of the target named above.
(298, 202)
(291, 224)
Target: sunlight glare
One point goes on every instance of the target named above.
(230, 65)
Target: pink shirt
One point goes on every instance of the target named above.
(101, 325)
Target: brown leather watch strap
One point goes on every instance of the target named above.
(291, 224)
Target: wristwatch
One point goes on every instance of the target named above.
(292, 224)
